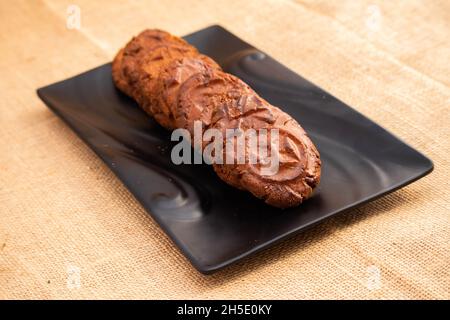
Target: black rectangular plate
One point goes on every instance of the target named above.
(212, 223)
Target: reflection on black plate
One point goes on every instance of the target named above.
(212, 223)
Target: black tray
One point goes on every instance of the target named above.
(212, 223)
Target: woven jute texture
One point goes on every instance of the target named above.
(70, 229)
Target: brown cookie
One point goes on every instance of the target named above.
(203, 95)
(148, 84)
(173, 76)
(118, 76)
(178, 86)
(298, 170)
(141, 46)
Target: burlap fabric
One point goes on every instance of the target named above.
(70, 229)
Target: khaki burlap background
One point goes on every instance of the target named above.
(65, 217)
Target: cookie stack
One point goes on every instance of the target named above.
(178, 87)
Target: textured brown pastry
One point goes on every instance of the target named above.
(177, 85)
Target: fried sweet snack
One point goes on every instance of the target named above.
(177, 86)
